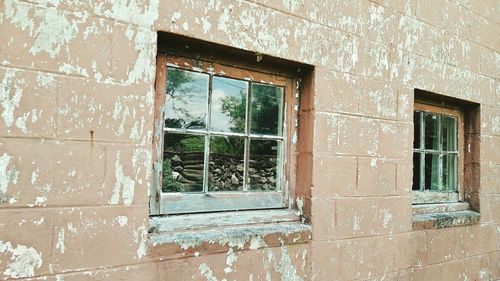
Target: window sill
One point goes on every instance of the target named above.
(201, 234)
(431, 216)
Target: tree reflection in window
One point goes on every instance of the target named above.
(221, 134)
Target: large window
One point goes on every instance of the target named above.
(437, 154)
(224, 137)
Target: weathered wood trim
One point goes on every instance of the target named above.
(159, 115)
(178, 203)
(198, 221)
(223, 70)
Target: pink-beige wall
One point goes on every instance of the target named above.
(76, 121)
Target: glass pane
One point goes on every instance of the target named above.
(449, 133)
(417, 124)
(431, 171)
(186, 100)
(431, 131)
(267, 109)
(228, 105)
(183, 163)
(264, 165)
(449, 172)
(225, 169)
(416, 171)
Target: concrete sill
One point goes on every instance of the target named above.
(170, 240)
(445, 219)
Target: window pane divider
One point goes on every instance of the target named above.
(422, 155)
(430, 151)
(207, 136)
(248, 105)
(218, 133)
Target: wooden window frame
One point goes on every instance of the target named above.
(182, 203)
(434, 197)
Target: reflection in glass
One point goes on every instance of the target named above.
(226, 164)
(228, 105)
(432, 171)
(186, 100)
(432, 131)
(448, 133)
(267, 109)
(263, 165)
(183, 163)
(417, 124)
(449, 175)
(416, 171)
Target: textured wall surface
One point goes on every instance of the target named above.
(76, 121)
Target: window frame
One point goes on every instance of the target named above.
(437, 197)
(181, 203)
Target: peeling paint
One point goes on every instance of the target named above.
(54, 32)
(206, 272)
(124, 185)
(284, 265)
(387, 217)
(130, 11)
(230, 260)
(141, 237)
(143, 70)
(10, 103)
(7, 176)
(60, 241)
(23, 262)
(122, 220)
(39, 200)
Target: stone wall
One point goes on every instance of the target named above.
(76, 107)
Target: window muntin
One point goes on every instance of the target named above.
(436, 154)
(233, 137)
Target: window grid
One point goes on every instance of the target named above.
(422, 152)
(248, 136)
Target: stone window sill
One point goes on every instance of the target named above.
(431, 216)
(202, 234)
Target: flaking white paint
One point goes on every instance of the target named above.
(131, 11)
(141, 237)
(54, 31)
(124, 185)
(122, 220)
(231, 258)
(23, 262)
(10, 96)
(7, 176)
(60, 241)
(144, 68)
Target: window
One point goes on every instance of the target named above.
(224, 134)
(446, 165)
(437, 154)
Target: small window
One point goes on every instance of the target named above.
(225, 136)
(437, 157)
